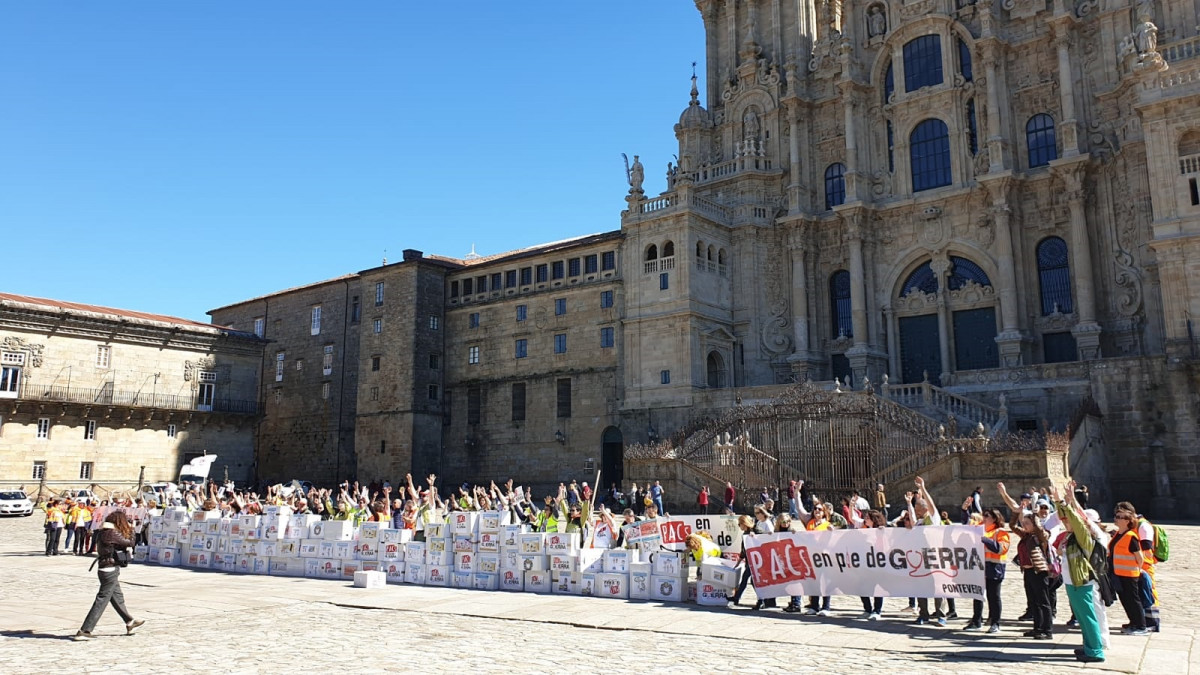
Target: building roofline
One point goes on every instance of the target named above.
(66, 308)
(286, 291)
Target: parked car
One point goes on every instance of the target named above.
(15, 503)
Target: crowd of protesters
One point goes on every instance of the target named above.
(1059, 541)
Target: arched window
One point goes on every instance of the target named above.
(1054, 276)
(721, 257)
(889, 84)
(711, 250)
(839, 305)
(922, 280)
(1039, 139)
(929, 155)
(716, 370)
(668, 249)
(700, 249)
(962, 271)
(972, 127)
(652, 252)
(835, 185)
(964, 61)
(891, 145)
(923, 62)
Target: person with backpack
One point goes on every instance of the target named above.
(1155, 549)
(1125, 552)
(1085, 573)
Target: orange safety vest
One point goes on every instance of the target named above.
(999, 535)
(824, 525)
(1124, 563)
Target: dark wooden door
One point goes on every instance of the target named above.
(920, 348)
(975, 339)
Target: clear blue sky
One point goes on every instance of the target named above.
(177, 156)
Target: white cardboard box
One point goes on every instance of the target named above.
(436, 531)
(317, 530)
(394, 571)
(461, 579)
(710, 594)
(510, 535)
(260, 565)
(617, 560)
(587, 583)
(169, 557)
(512, 579)
(370, 565)
(369, 579)
(392, 536)
(489, 542)
(338, 530)
(564, 583)
(591, 560)
(439, 558)
(612, 586)
(369, 531)
(437, 575)
(414, 573)
(487, 563)
(719, 572)
(312, 568)
(327, 550)
(667, 588)
(564, 562)
(509, 557)
(349, 569)
(225, 562)
(639, 582)
(535, 563)
(463, 545)
(414, 550)
(485, 582)
(490, 521)
(464, 523)
(532, 543)
(669, 564)
(464, 562)
(537, 581)
(562, 542)
(343, 550)
(311, 548)
(391, 552)
(288, 548)
(331, 568)
(367, 549)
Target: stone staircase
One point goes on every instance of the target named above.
(958, 413)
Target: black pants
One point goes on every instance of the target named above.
(53, 535)
(993, 604)
(82, 538)
(742, 589)
(818, 602)
(110, 592)
(1131, 600)
(874, 605)
(1037, 593)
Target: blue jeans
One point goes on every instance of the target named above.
(1146, 590)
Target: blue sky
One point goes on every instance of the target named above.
(177, 156)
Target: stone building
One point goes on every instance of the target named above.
(95, 395)
(988, 210)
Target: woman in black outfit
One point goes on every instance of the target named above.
(115, 535)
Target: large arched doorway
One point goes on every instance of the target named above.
(716, 371)
(612, 463)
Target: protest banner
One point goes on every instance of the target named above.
(641, 532)
(724, 531)
(924, 562)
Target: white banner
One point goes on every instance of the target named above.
(924, 562)
(723, 529)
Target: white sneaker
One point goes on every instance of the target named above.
(825, 612)
(809, 611)
(865, 615)
(874, 616)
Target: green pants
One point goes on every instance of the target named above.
(1084, 607)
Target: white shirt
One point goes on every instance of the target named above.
(862, 504)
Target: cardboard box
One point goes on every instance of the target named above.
(464, 523)
(463, 545)
(337, 530)
(266, 548)
(439, 558)
(259, 565)
(535, 563)
(710, 594)
(225, 562)
(667, 588)
(639, 582)
(370, 566)
(369, 579)
(391, 552)
(487, 563)
(367, 549)
(349, 569)
(244, 523)
(140, 552)
(489, 542)
(485, 582)
(461, 579)
(437, 575)
(532, 543)
(537, 581)
(311, 548)
(719, 572)
(669, 564)
(436, 531)
(302, 522)
(439, 546)
(612, 586)
(369, 531)
(510, 535)
(562, 542)
(195, 558)
(312, 568)
(175, 514)
(273, 528)
(288, 548)
(226, 527)
(331, 568)
(509, 557)
(564, 562)
(464, 562)
(490, 521)
(281, 510)
(414, 573)
(591, 561)
(617, 560)
(213, 527)
(245, 564)
(414, 551)
(154, 555)
(394, 572)
(587, 584)
(391, 536)
(343, 550)
(326, 549)
(196, 544)
(169, 557)
(512, 579)
(564, 583)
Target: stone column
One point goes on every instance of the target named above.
(941, 267)
(893, 336)
(858, 292)
(712, 49)
(1087, 329)
(799, 292)
(995, 133)
(794, 168)
(851, 177)
(1066, 85)
(1012, 344)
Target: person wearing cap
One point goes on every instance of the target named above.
(1080, 578)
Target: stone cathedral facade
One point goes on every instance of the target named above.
(995, 199)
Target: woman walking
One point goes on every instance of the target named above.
(115, 535)
(1033, 554)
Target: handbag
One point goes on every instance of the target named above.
(122, 557)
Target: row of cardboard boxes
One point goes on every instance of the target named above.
(279, 523)
(640, 582)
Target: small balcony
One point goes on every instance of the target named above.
(108, 396)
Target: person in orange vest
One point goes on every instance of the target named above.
(1125, 552)
(995, 554)
(83, 521)
(1147, 584)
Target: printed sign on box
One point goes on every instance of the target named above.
(512, 579)
(719, 571)
(311, 548)
(537, 582)
(463, 545)
(464, 562)
(395, 572)
(587, 584)
(489, 521)
(369, 531)
(562, 542)
(464, 523)
(616, 561)
(489, 542)
(343, 550)
(414, 550)
(439, 558)
(710, 594)
(391, 552)
(564, 562)
(669, 563)
(485, 582)
(510, 558)
(331, 568)
(414, 573)
(437, 575)
(487, 563)
(532, 543)
(435, 531)
(639, 584)
(461, 579)
(612, 586)
(510, 535)
(667, 589)
(367, 549)
(327, 549)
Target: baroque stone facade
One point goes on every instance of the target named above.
(94, 395)
(995, 199)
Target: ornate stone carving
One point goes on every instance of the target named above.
(1129, 279)
(972, 293)
(776, 331)
(1056, 322)
(1023, 9)
(191, 368)
(877, 25)
(918, 300)
(17, 344)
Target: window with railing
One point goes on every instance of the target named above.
(1054, 276)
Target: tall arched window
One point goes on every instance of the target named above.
(923, 62)
(839, 305)
(972, 128)
(929, 155)
(700, 249)
(668, 249)
(964, 61)
(651, 252)
(835, 185)
(962, 271)
(1039, 139)
(1054, 276)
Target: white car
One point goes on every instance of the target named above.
(15, 504)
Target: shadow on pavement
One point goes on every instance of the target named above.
(28, 634)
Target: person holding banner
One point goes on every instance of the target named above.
(925, 511)
(873, 607)
(817, 605)
(748, 525)
(995, 553)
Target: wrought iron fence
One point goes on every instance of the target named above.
(110, 397)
